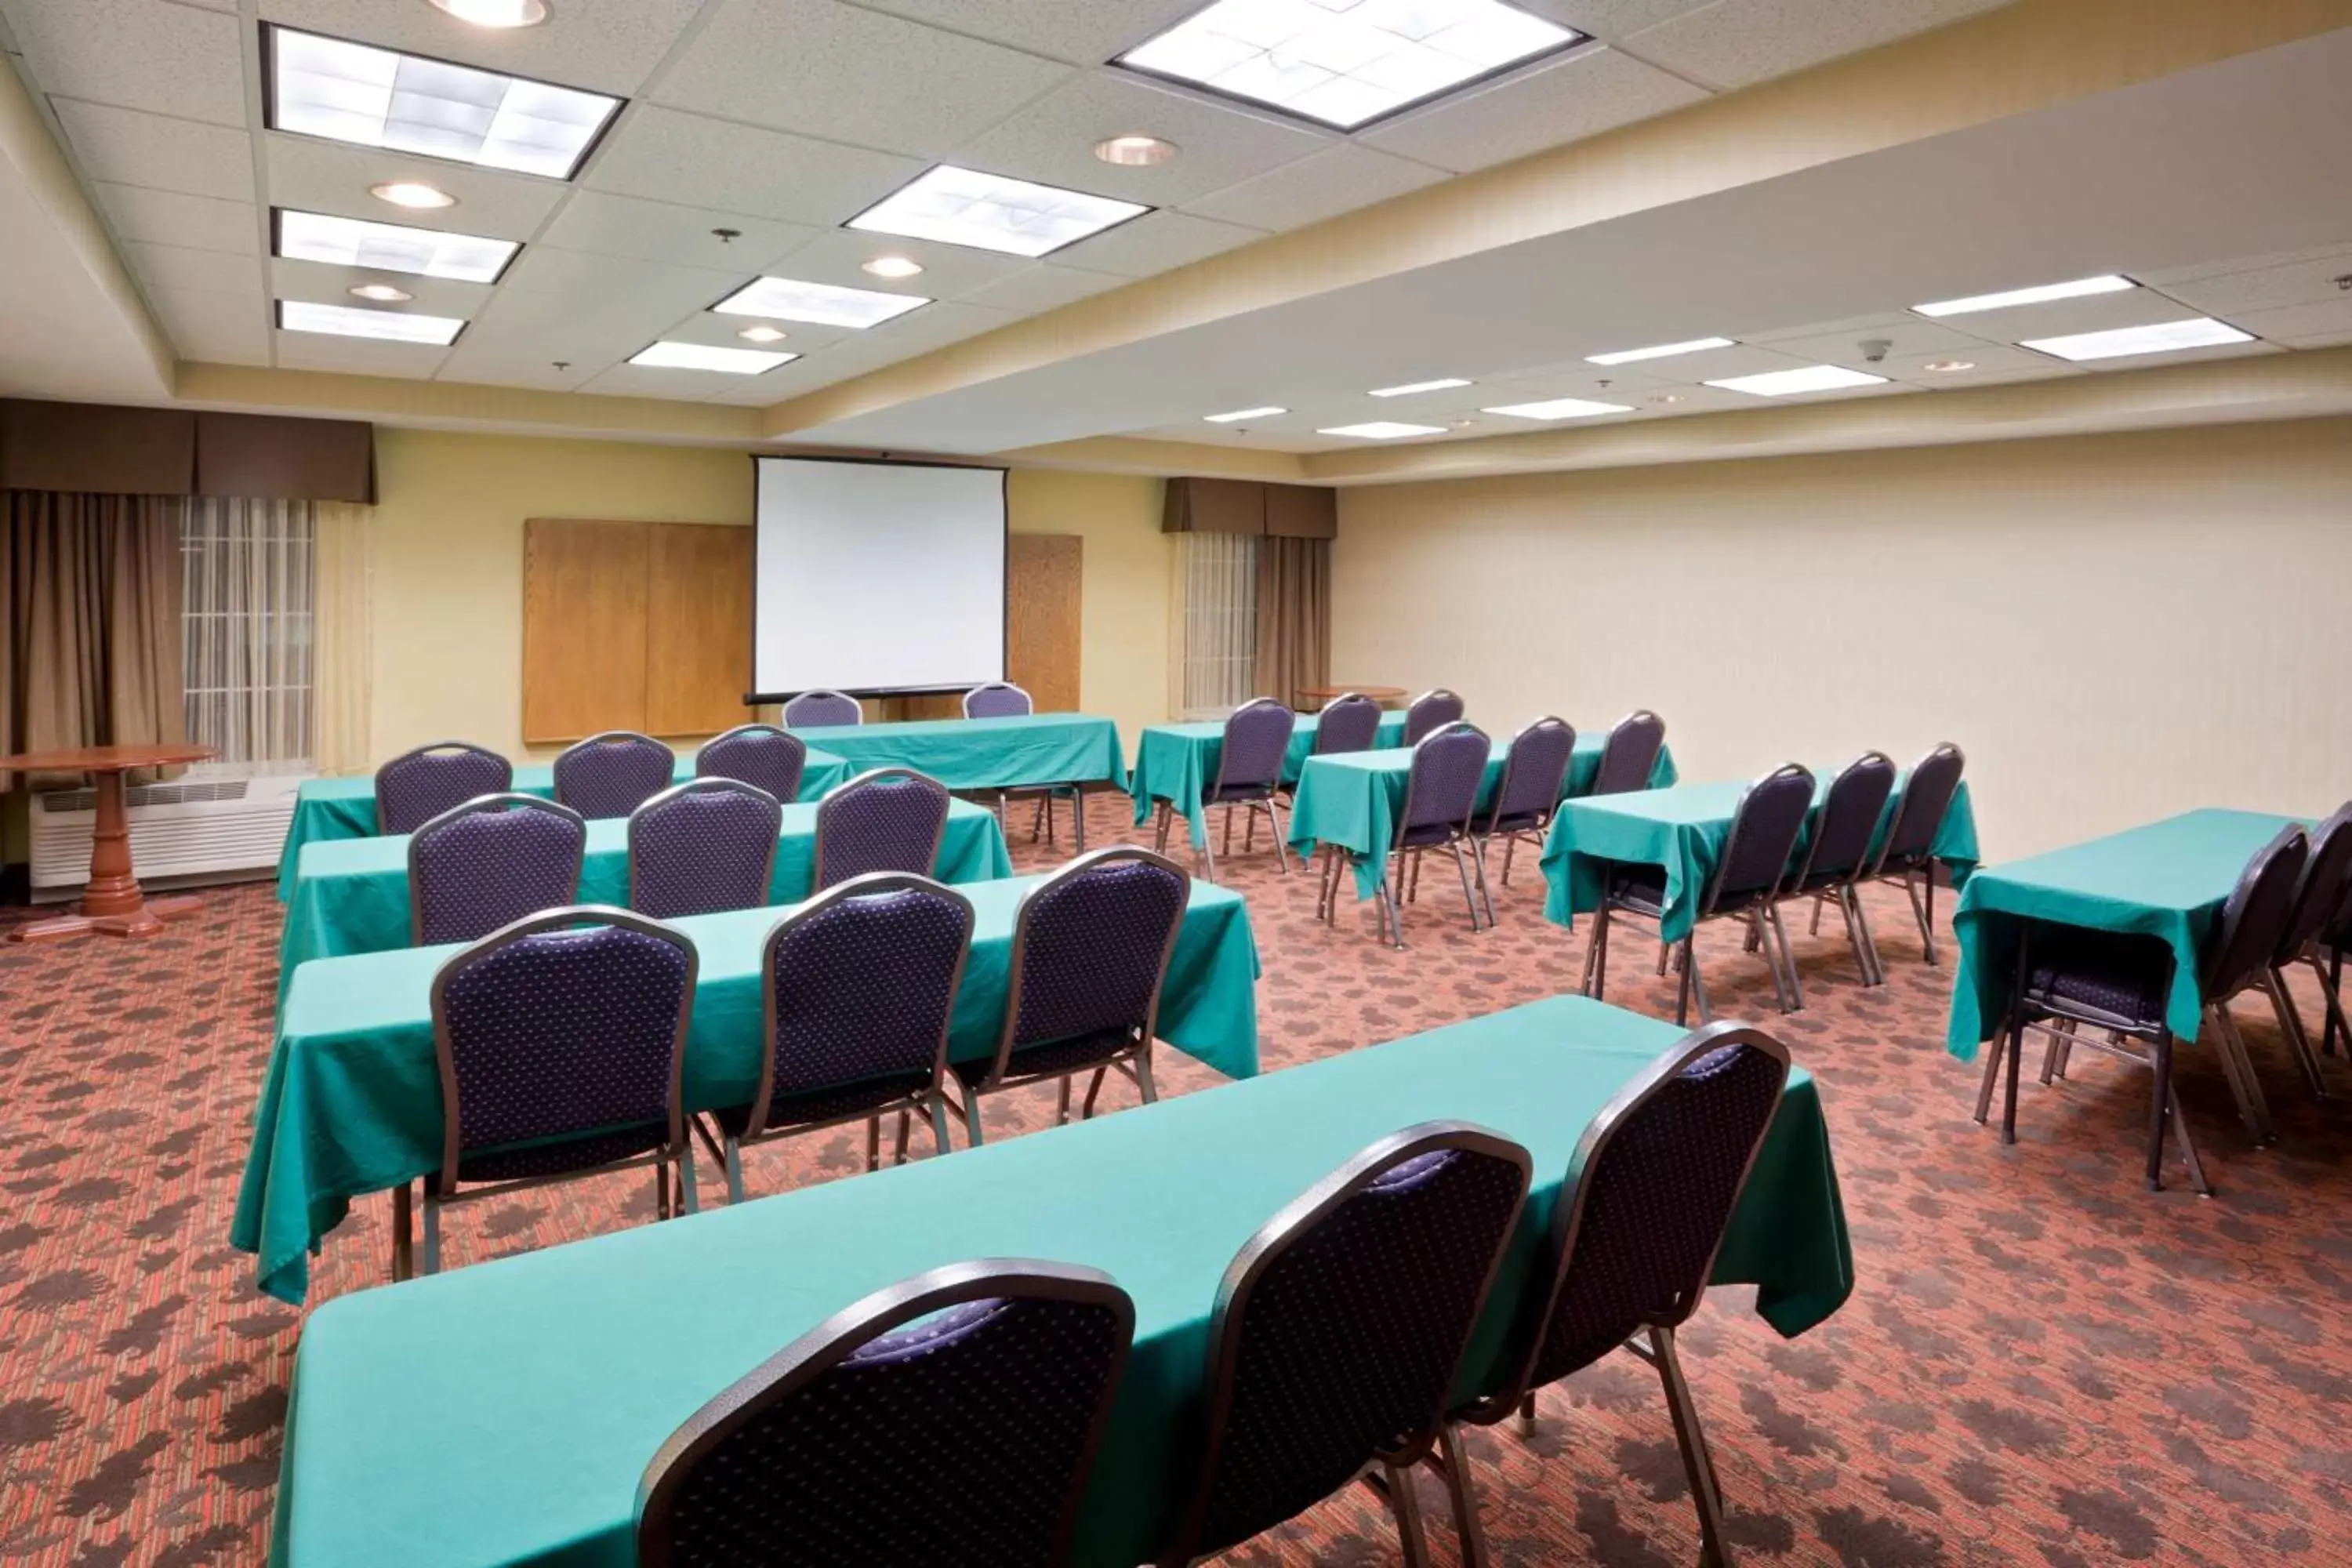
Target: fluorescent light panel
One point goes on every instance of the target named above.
(1806, 378)
(2165, 337)
(380, 98)
(1383, 430)
(792, 299)
(1265, 413)
(391, 247)
(1413, 387)
(1344, 62)
(386, 326)
(1560, 409)
(2041, 293)
(668, 355)
(989, 212)
(1630, 356)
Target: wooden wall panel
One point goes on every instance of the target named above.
(1043, 594)
(584, 599)
(698, 629)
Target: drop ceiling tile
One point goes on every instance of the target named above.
(1155, 242)
(666, 155)
(949, 271)
(1902, 337)
(1319, 185)
(2061, 317)
(1706, 365)
(584, 276)
(1993, 364)
(936, 325)
(827, 70)
(1561, 101)
(1043, 286)
(2319, 281)
(1085, 31)
(568, 326)
(330, 284)
(1052, 141)
(1610, 19)
(657, 231)
(137, 54)
(490, 366)
(726, 332)
(2150, 361)
(1887, 389)
(129, 147)
(215, 329)
(177, 267)
(605, 46)
(785, 381)
(335, 177)
(2167, 276)
(683, 386)
(167, 217)
(1573, 380)
(357, 356)
(1736, 42)
(2314, 325)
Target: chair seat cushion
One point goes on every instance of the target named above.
(1061, 1056)
(1428, 835)
(1517, 822)
(562, 1158)
(1222, 793)
(2103, 976)
(824, 1104)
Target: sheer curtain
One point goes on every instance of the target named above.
(249, 624)
(1213, 667)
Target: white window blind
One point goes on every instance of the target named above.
(247, 598)
(1216, 574)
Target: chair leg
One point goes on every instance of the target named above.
(1788, 958)
(1412, 879)
(2332, 981)
(1159, 819)
(1208, 847)
(1469, 891)
(1992, 1074)
(2014, 1053)
(690, 1198)
(972, 1116)
(432, 1231)
(2256, 1106)
(1706, 1492)
(1397, 1487)
(1079, 817)
(661, 1191)
(2159, 1059)
(1486, 893)
(1062, 1101)
(1596, 954)
(1815, 928)
(1510, 842)
(2059, 1034)
(1228, 844)
(873, 1142)
(1143, 1085)
(734, 1171)
(1688, 969)
(1771, 958)
(1869, 938)
(2290, 1021)
(1454, 1464)
(1281, 843)
(1093, 1088)
(403, 1260)
(898, 1155)
(2161, 1051)
(938, 1119)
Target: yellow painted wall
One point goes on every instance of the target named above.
(2113, 627)
(1123, 620)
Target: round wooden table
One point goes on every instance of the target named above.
(111, 904)
(1313, 696)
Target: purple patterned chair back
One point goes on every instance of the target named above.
(2256, 915)
(859, 984)
(1432, 711)
(1348, 722)
(1256, 739)
(997, 699)
(758, 754)
(1339, 1326)
(1442, 789)
(490, 862)
(1629, 758)
(701, 846)
(1849, 817)
(952, 1419)
(1762, 839)
(2326, 879)
(570, 1024)
(820, 710)
(1090, 949)
(1919, 815)
(613, 774)
(416, 786)
(886, 819)
(1534, 776)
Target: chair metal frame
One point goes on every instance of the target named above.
(1041, 823)
(1847, 890)
(441, 1187)
(1610, 751)
(636, 739)
(1267, 802)
(1917, 873)
(1406, 859)
(798, 773)
(1535, 834)
(717, 784)
(823, 692)
(1439, 694)
(2307, 932)
(1388, 1474)
(425, 834)
(810, 1357)
(871, 776)
(433, 748)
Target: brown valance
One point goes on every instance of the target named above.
(1249, 506)
(1302, 511)
(96, 449)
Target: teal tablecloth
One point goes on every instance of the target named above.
(1683, 830)
(1350, 801)
(325, 809)
(984, 753)
(502, 1413)
(2167, 879)
(1177, 763)
(351, 1100)
(352, 895)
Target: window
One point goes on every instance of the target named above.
(1216, 579)
(247, 598)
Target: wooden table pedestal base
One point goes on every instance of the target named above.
(147, 919)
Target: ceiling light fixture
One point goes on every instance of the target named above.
(386, 326)
(1669, 397)
(1265, 413)
(379, 97)
(1805, 378)
(762, 333)
(1414, 386)
(891, 266)
(829, 304)
(1345, 62)
(412, 194)
(389, 246)
(1630, 356)
(1135, 151)
(1383, 430)
(2163, 337)
(1948, 366)
(1560, 409)
(2106, 283)
(669, 354)
(495, 13)
(383, 293)
(989, 212)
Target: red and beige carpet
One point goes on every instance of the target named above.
(2043, 1362)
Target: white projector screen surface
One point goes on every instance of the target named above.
(876, 577)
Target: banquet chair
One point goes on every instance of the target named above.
(822, 709)
(416, 786)
(1002, 699)
(761, 755)
(489, 862)
(884, 819)
(1348, 722)
(1337, 1332)
(1908, 854)
(2319, 903)
(1091, 944)
(1249, 772)
(1745, 886)
(997, 699)
(1629, 757)
(2066, 977)
(2327, 956)
(1431, 712)
(1441, 797)
(1649, 1191)
(613, 774)
(562, 1046)
(857, 987)
(1535, 776)
(1840, 854)
(702, 847)
(953, 1418)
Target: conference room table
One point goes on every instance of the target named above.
(2167, 879)
(350, 1103)
(352, 895)
(1682, 831)
(1178, 762)
(1028, 750)
(337, 808)
(502, 1413)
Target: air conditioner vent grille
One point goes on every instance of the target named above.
(147, 795)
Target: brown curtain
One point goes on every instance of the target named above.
(1294, 615)
(94, 647)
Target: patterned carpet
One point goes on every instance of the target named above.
(2043, 1363)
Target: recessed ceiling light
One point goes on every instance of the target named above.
(379, 97)
(989, 212)
(1560, 409)
(762, 333)
(412, 194)
(389, 326)
(383, 293)
(790, 300)
(2196, 332)
(1629, 356)
(1383, 430)
(1265, 413)
(891, 266)
(2106, 283)
(668, 355)
(1344, 62)
(1806, 378)
(496, 12)
(1948, 366)
(391, 246)
(1413, 387)
(1666, 397)
(1135, 151)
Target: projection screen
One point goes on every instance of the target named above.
(875, 577)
